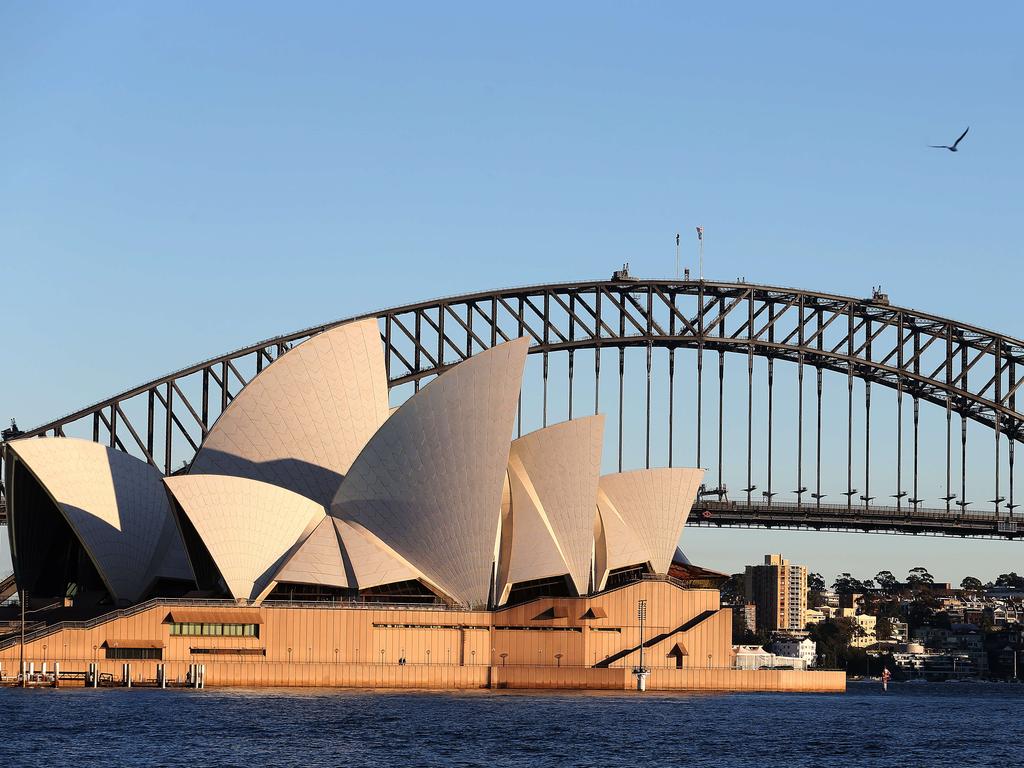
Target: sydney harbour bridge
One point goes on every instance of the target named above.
(768, 388)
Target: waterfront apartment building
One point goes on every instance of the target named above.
(779, 590)
(866, 633)
(796, 647)
(813, 616)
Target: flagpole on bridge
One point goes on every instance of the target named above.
(677, 255)
(700, 241)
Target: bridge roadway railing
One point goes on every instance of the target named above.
(840, 517)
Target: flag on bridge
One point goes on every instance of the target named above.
(700, 233)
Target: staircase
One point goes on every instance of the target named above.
(699, 618)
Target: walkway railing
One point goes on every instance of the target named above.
(180, 602)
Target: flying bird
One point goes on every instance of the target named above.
(951, 148)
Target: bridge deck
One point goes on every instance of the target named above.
(839, 517)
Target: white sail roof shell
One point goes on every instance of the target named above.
(372, 563)
(318, 560)
(532, 550)
(654, 504)
(337, 554)
(429, 482)
(303, 420)
(554, 479)
(116, 506)
(616, 544)
(249, 528)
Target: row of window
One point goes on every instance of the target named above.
(135, 653)
(231, 630)
(230, 651)
(539, 629)
(378, 625)
(126, 654)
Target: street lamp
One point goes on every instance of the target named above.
(641, 614)
(558, 659)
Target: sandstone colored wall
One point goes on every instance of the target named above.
(547, 643)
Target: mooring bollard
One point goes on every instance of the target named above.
(202, 675)
(93, 675)
(161, 675)
(126, 675)
(56, 674)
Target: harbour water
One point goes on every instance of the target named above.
(963, 724)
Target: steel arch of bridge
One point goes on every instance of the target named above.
(970, 372)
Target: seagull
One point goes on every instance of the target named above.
(951, 148)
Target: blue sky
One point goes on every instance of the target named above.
(177, 181)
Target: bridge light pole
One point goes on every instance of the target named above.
(641, 671)
(748, 490)
(24, 594)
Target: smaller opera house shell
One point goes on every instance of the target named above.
(310, 487)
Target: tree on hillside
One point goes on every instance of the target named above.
(833, 637)
(886, 581)
(845, 584)
(1010, 580)
(732, 591)
(815, 586)
(919, 576)
(922, 609)
(971, 583)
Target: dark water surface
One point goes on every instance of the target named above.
(938, 724)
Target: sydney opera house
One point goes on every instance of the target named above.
(322, 537)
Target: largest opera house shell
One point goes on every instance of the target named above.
(310, 486)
